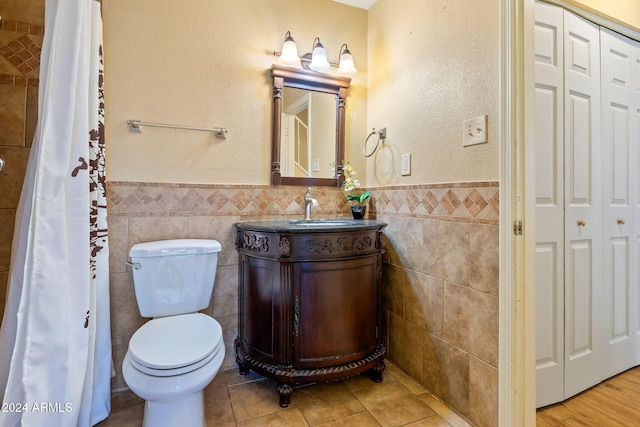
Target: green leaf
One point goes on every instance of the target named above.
(359, 198)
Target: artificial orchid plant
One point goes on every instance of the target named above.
(350, 185)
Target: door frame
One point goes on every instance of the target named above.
(516, 375)
(517, 203)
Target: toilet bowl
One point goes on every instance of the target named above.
(176, 354)
(169, 362)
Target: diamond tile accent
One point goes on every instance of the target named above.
(281, 202)
(241, 200)
(114, 198)
(430, 201)
(217, 200)
(383, 200)
(23, 53)
(396, 201)
(475, 203)
(191, 201)
(412, 201)
(495, 204)
(167, 198)
(466, 202)
(450, 202)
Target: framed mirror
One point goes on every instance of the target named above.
(308, 127)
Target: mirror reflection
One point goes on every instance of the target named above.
(308, 135)
(307, 139)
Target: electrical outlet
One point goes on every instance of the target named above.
(315, 164)
(405, 168)
(474, 131)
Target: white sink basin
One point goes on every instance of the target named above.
(320, 223)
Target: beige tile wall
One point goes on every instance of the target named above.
(441, 291)
(141, 212)
(440, 270)
(21, 33)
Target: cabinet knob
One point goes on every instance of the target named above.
(581, 223)
(621, 221)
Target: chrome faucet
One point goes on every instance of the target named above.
(308, 201)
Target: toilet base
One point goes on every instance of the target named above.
(188, 411)
(174, 401)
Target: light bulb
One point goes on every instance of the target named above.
(289, 54)
(346, 63)
(319, 58)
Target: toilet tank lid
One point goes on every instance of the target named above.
(174, 247)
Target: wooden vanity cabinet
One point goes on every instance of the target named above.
(309, 302)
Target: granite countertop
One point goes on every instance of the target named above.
(315, 225)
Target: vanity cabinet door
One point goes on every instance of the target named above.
(265, 302)
(335, 309)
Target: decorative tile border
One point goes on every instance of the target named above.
(21, 27)
(158, 199)
(475, 202)
(13, 80)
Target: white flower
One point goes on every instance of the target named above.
(348, 171)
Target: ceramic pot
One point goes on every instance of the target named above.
(358, 211)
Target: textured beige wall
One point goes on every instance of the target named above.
(432, 65)
(625, 12)
(206, 63)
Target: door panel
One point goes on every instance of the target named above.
(619, 140)
(579, 291)
(548, 351)
(635, 202)
(549, 135)
(337, 311)
(583, 201)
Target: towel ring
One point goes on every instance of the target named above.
(382, 135)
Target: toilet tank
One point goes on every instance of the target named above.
(174, 276)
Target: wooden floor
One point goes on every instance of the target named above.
(615, 402)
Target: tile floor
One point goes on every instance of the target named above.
(248, 401)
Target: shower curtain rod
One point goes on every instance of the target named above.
(134, 126)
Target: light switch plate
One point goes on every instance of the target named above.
(405, 168)
(474, 131)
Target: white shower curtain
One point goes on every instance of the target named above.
(55, 344)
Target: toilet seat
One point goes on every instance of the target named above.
(175, 345)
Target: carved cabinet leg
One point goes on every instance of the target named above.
(376, 372)
(284, 390)
(244, 369)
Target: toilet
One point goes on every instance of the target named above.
(176, 354)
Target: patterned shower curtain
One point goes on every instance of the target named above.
(55, 343)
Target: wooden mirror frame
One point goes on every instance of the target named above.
(317, 82)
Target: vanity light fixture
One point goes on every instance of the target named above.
(346, 67)
(317, 59)
(289, 54)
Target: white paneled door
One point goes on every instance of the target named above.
(635, 296)
(549, 140)
(587, 132)
(583, 205)
(619, 158)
